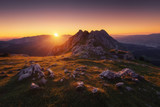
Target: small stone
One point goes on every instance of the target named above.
(74, 76)
(129, 89)
(108, 75)
(120, 84)
(66, 71)
(94, 90)
(106, 85)
(51, 74)
(80, 86)
(82, 73)
(34, 86)
(75, 73)
(135, 80)
(61, 80)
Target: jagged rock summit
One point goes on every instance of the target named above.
(94, 44)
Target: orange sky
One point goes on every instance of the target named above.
(20, 23)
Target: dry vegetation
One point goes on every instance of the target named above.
(56, 93)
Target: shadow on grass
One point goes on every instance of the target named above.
(92, 63)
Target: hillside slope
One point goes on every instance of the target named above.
(61, 90)
(41, 45)
(148, 53)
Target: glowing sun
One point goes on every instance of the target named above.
(56, 34)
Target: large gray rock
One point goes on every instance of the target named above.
(108, 75)
(127, 72)
(119, 84)
(30, 71)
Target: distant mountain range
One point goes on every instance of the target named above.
(152, 40)
(34, 46)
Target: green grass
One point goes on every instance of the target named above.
(64, 94)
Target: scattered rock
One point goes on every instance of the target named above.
(106, 85)
(135, 80)
(61, 80)
(94, 90)
(80, 86)
(42, 81)
(119, 85)
(127, 72)
(34, 86)
(51, 74)
(66, 71)
(74, 76)
(108, 75)
(129, 88)
(75, 73)
(82, 73)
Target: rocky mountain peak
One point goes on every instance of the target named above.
(94, 44)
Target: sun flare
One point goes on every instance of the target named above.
(56, 34)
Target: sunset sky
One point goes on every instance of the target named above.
(19, 18)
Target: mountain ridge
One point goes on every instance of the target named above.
(150, 40)
(94, 44)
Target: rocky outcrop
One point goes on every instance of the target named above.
(84, 44)
(34, 69)
(126, 55)
(126, 72)
(108, 75)
(123, 74)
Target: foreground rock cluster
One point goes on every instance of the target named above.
(36, 73)
(123, 74)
